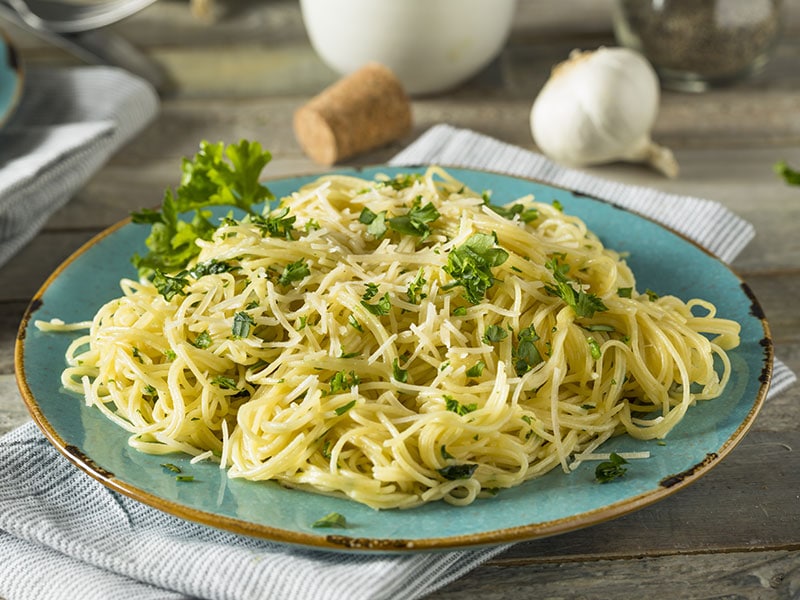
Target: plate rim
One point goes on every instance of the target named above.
(338, 542)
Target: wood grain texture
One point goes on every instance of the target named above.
(735, 533)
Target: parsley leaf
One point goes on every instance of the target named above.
(471, 265)
(584, 304)
(382, 307)
(526, 355)
(226, 383)
(477, 369)
(294, 272)
(333, 519)
(341, 382)
(494, 334)
(242, 322)
(594, 347)
(415, 222)
(414, 291)
(375, 222)
(370, 292)
(170, 286)
(455, 406)
(203, 340)
(218, 175)
(275, 224)
(211, 267)
(526, 215)
(611, 469)
(453, 472)
(400, 374)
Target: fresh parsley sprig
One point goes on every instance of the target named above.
(218, 175)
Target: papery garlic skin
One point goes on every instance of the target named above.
(598, 107)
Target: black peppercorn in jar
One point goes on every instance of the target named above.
(697, 44)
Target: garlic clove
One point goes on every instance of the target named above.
(599, 106)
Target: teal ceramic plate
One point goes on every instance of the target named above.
(10, 78)
(555, 503)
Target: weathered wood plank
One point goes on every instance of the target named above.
(740, 576)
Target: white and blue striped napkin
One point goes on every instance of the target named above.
(68, 123)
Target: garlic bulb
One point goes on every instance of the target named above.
(599, 106)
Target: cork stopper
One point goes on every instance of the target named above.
(362, 111)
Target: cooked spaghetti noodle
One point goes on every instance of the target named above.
(399, 342)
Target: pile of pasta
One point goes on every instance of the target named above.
(398, 341)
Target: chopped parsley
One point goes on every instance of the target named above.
(354, 323)
(584, 304)
(226, 383)
(344, 408)
(242, 322)
(203, 340)
(651, 295)
(341, 382)
(526, 215)
(594, 348)
(455, 406)
(453, 472)
(415, 222)
(375, 222)
(611, 469)
(294, 272)
(333, 519)
(211, 267)
(171, 467)
(624, 292)
(445, 454)
(526, 355)
(477, 369)
(470, 265)
(414, 291)
(170, 286)
(399, 374)
(276, 224)
(370, 292)
(381, 307)
(494, 334)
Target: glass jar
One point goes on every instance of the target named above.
(697, 44)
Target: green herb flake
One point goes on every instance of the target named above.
(203, 340)
(600, 327)
(460, 311)
(242, 322)
(375, 222)
(277, 224)
(454, 472)
(294, 272)
(170, 354)
(344, 408)
(558, 206)
(354, 323)
(414, 291)
(380, 308)
(594, 348)
(470, 265)
(226, 383)
(445, 454)
(170, 286)
(370, 292)
(342, 382)
(211, 267)
(415, 222)
(611, 469)
(494, 334)
(651, 295)
(333, 519)
(526, 355)
(624, 292)
(455, 406)
(584, 304)
(184, 478)
(171, 467)
(476, 370)
(399, 374)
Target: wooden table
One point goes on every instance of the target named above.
(736, 532)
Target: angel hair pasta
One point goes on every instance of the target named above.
(398, 341)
